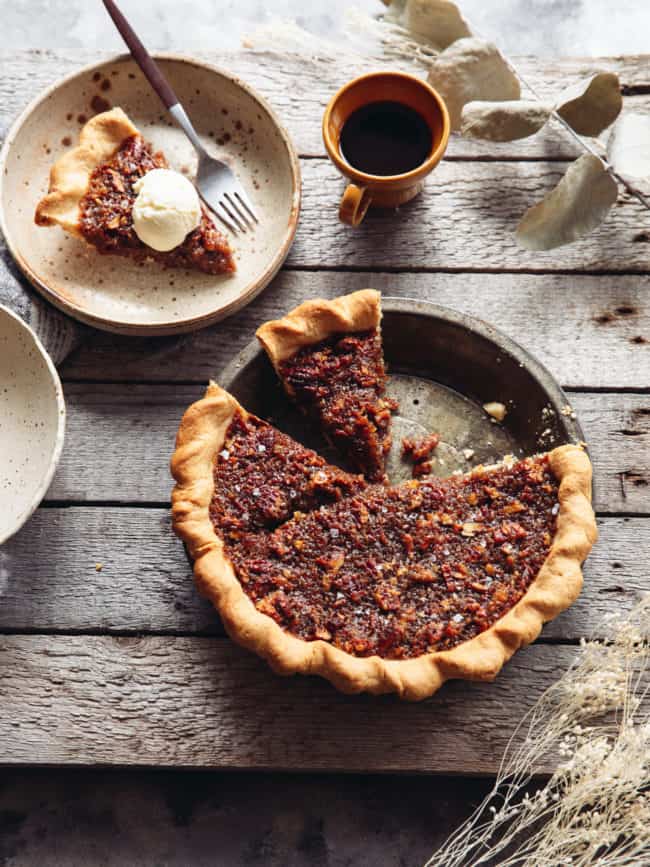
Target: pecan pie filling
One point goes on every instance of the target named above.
(106, 215)
(397, 572)
(263, 478)
(341, 384)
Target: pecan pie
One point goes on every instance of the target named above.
(377, 588)
(91, 196)
(329, 357)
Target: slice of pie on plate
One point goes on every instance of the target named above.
(329, 357)
(375, 588)
(91, 195)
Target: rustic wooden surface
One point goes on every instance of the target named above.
(154, 594)
(590, 331)
(299, 89)
(206, 702)
(126, 665)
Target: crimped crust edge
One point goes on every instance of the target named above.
(99, 139)
(317, 320)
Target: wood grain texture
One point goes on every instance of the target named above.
(120, 439)
(191, 702)
(617, 428)
(145, 583)
(464, 219)
(590, 331)
(299, 89)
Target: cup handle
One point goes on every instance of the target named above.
(354, 205)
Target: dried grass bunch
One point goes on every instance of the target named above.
(595, 808)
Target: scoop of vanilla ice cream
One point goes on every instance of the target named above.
(166, 210)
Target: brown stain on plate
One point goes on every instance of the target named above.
(622, 311)
(99, 104)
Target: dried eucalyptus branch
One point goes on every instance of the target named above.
(586, 145)
(595, 808)
(399, 41)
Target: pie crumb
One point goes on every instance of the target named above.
(419, 452)
(99, 567)
(496, 410)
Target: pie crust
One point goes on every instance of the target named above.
(317, 320)
(70, 175)
(200, 438)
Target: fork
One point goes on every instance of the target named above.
(215, 181)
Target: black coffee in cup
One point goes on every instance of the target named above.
(385, 138)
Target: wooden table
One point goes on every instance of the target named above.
(107, 654)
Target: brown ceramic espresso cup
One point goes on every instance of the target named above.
(385, 132)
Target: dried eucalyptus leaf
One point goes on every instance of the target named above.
(578, 204)
(628, 148)
(590, 106)
(437, 21)
(503, 121)
(471, 69)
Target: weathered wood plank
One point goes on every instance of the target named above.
(491, 197)
(145, 582)
(617, 428)
(299, 88)
(206, 703)
(120, 439)
(464, 219)
(590, 331)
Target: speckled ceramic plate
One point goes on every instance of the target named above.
(443, 366)
(32, 422)
(114, 293)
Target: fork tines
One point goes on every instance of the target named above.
(236, 210)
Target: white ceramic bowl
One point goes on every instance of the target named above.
(32, 422)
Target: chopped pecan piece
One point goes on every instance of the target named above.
(419, 451)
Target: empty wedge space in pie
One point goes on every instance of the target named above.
(375, 587)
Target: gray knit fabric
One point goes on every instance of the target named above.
(58, 333)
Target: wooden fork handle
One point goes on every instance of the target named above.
(141, 56)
